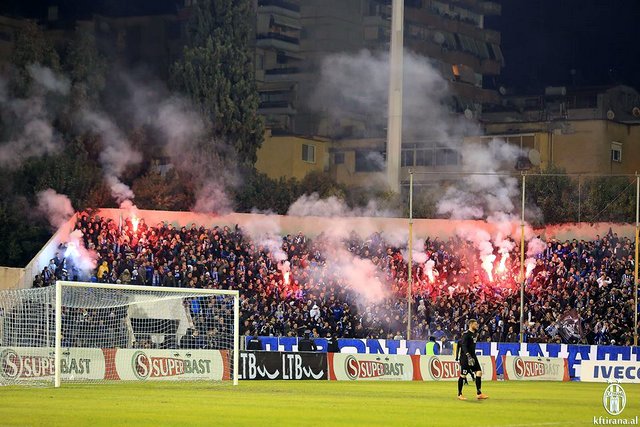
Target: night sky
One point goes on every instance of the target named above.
(543, 40)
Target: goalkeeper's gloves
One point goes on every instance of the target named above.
(471, 360)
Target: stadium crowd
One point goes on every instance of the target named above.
(578, 291)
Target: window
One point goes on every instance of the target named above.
(308, 153)
(369, 161)
(407, 158)
(424, 157)
(616, 152)
(446, 157)
(338, 158)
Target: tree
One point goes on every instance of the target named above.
(86, 68)
(266, 194)
(323, 184)
(217, 73)
(554, 195)
(154, 191)
(609, 199)
(71, 172)
(31, 47)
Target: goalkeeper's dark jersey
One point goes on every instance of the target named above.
(468, 344)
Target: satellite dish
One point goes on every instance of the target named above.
(636, 111)
(534, 157)
(502, 90)
(611, 115)
(438, 37)
(523, 164)
(468, 114)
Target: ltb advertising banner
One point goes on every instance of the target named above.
(267, 365)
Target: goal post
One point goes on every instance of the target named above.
(95, 332)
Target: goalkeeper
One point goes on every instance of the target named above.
(469, 361)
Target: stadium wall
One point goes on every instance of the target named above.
(10, 276)
(573, 353)
(313, 226)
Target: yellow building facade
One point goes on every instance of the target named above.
(292, 156)
(577, 146)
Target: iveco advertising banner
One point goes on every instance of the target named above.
(603, 371)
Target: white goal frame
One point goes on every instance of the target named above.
(58, 315)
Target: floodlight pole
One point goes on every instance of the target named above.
(635, 273)
(522, 278)
(394, 119)
(410, 262)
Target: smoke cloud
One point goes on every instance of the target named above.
(182, 134)
(116, 155)
(480, 196)
(356, 85)
(313, 205)
(265, 233)
(28, 120)
(57, 207)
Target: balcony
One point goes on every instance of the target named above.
(491, 8)
(477, 94)
(281, 4)
(276, 107)
(428, 18)
(278, 41)
(281, 74)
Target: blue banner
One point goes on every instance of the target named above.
(574, 353)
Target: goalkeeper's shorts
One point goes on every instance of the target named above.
(466, 368)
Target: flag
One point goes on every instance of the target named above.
(570, 326)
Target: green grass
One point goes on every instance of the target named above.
(308, 403)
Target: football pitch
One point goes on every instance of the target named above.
(309, 403)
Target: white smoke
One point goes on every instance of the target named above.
(212, 198)
(356, 85)
(182, 134)
(357, 274)
(487, 193)
(265, 232)
(116, 155)
(49, 80)
(83, 259)
(481, 240)
(334, 207)
(29, 120)
(57, 207)
(418, 254)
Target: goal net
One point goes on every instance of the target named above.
(101, 332)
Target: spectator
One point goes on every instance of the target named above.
(254, 343)
(593, 277)
(306, 343)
